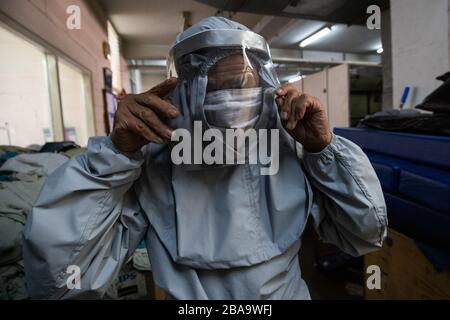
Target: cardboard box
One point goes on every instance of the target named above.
(405, 272)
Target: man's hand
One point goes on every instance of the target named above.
(304, 117)
(140, 118)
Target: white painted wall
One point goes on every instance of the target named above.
(150, 80)
(420, 47)
(338, 92)
(332, 87)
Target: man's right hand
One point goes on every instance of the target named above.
(140, 118)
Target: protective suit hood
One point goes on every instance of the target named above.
(223, 216)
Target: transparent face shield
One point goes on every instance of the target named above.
(225, 92)
(233, 98)
(238, 68)
(171, 69)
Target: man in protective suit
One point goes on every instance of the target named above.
(220, 231)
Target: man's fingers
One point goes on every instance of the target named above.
(164, 88)
(301, 106)
(286, 107)
(285, 95)
(281, 91)
(285, 89)
(279, 102)
(292, 121)
(151, 120)
(138, 126)
(160, 106)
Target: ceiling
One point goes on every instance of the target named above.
(336, 11)
(353, 39)
(157, 22)
(148, 27)
(294, 20)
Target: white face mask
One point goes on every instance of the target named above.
(233, 108)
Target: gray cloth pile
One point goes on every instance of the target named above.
(42, 164)
(17, 197)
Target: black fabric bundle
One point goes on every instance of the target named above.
(412, 120)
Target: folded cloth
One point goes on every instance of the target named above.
(5, 156)
(60, 146)
(41, 163)
(7, 176)
(74, 152)
(12, 282)
(16, 201)
(10, 240)
(17, 197)
(17, 149)
(408, 120)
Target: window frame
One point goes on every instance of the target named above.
(52, 57)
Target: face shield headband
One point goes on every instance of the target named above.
(217, 38)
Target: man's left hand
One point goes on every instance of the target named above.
(304, 117)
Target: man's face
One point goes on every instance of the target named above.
(232, 72)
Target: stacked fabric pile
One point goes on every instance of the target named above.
(435, 121)
(22, 174)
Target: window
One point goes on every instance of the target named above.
(43, 97)
(25, 116)
(75, 111)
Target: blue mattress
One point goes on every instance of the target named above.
(426, 149)
(387, 169)
(427, 186)
(414, 172)
(418, 222)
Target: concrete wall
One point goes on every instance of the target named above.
(46, 21)
(420, 46)
(386, 56)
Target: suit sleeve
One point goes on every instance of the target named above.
(85, 219)
(349, 210)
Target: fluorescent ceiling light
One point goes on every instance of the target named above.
(295, 79)
(380, 50)
(316, 36)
